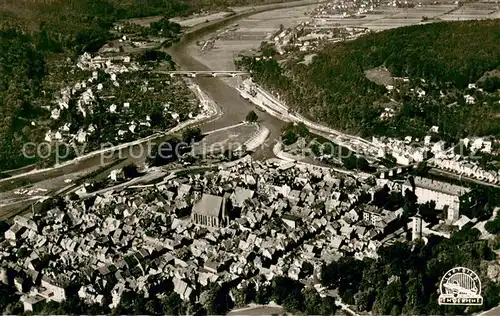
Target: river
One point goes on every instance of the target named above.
(233, 106)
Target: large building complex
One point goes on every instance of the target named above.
(445, 195)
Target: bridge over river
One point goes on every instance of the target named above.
(204, 73)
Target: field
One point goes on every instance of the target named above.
(195, 20)
(275, 5)
(391, 17)
(379, 76)
(257, 310)
(473, 11)
(144, 22)
(251, 31)
(254, 29)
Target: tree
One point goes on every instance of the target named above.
(355, 162)
(287, 292)
(130, 171)
(240, 297)
(307, 268)
(217, 301)
(173, 305)
(494, 242)
(157, 118)
(153, 307)
(195, 309)
(302, 129)
(363, 164)
(390, 301)
(154, 55)
(73, 196)
(328, 306)
(73, 305)
(414, 294)
(167, 152)
(329, 274)
(15, 308)
(126, 305)
(263, 295)
(493, 227)
(192, 135)
(289, 137)
(491, 294)
(350, 162)
(312, 302)
(252, 117)
(7, 296)
(491, 84)
(52, 308)
(364, 300)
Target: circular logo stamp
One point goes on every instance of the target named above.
(460, 286)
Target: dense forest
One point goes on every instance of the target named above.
(405, 280)
(439, 58)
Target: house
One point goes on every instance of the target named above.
(346, 230)
(290, 220)
(216, 265)
(22, 283)
(4, 277)
(427, 140)
(372, 214)
(294, 196)
(487, 146)
(469, 99)
(32, 303)
(353, 216)
(182, 288)
(240, 195)
(336, 242)
(183, 191)
(464, 220)
(14, 232)
(25, 222)
(52, 290)
(401, 159)
(438, 147)
(209, 211)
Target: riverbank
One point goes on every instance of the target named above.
(186, 56)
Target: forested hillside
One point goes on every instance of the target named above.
(34, 32)
(22, 69)
(447, 56)
(31, 34)
(405, 280)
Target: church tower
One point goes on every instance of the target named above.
(416, 227)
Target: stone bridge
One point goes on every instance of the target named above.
(397, 171)
(204, 73)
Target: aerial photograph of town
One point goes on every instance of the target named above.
(250, 157)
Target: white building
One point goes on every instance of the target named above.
(442, 193)
(416, 227)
